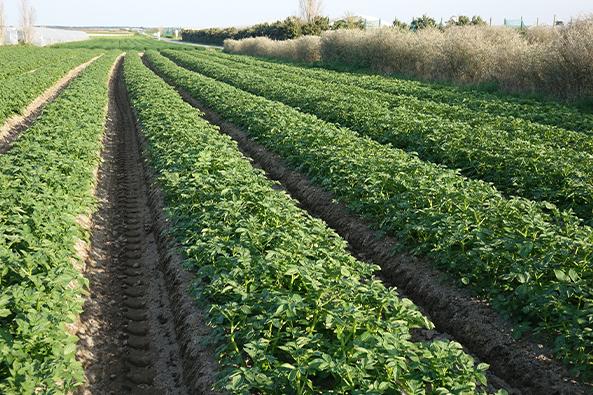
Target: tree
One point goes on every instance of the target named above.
(423, 22)
(27, 21)
(463, 20)
(478, 21)
(400, 25)
(316, 26)
(2, 22)
(349, 21)
(460, 20)
(310, 9)
(293, 27)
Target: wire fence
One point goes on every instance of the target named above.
(518, 23)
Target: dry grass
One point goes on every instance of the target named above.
(27, 22)
(549, 61)
(303, 49)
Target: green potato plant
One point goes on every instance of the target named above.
(516, 166)
(46, 182)
(292, 311)
(26, 72)
(517, 253)
(521, 108)
(380, 89)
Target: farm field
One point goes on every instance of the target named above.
(419, 127)
(136, 43)
(175, 219)
(28, 73)
(400, 193)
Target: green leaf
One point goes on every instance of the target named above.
(560, 275)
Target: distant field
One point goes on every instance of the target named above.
(137, 42)
(110, 34)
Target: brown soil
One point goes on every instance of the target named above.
(140, 331)
(17, 124)
(527, 367)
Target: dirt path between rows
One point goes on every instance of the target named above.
(520, 366)
(140, 330)
(17, 124)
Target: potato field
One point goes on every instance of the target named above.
(180, 220)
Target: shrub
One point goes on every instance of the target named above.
(423, 22)
(555, 62)
(303, 49)
(290, 28)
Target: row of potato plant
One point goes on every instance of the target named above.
(530, 259)
(16, 60)
(292, 310)
(18, 90)
(541, 133)
(541, 111)
(123, 43)
(46, 183)
(514, 166)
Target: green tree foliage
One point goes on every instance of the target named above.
(463, 20)
(478, 21)
(318, 25)
(423, 22)
(291, 27)
(349, 22)
(400, 24)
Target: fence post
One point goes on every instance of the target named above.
(521, 23)
(490, 21)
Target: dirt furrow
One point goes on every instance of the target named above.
(520, 366)
(131, 340)
(17, 124)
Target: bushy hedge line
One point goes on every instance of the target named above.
(289, 28)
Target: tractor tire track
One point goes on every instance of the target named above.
(131, 339)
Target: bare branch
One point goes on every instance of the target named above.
(27, 22)
(2, 22)
(310, 9)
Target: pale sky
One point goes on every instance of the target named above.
(220, 13)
